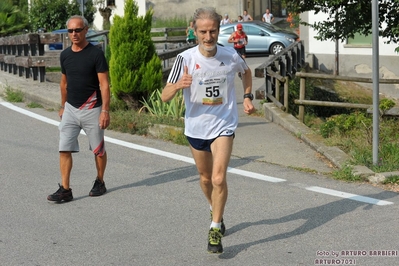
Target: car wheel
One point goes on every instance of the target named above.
(276, 48)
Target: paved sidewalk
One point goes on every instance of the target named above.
(273, 140)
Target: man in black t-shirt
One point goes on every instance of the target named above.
(85, 97)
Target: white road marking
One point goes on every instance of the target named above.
(350, 196)
(170, 155)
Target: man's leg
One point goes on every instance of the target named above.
(221, 152)
(101, 163)
(212, 168)
(65, 168)
(203, 161)
(64, 193)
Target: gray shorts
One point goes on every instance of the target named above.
(73, 120)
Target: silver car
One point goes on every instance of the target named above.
(262, 37)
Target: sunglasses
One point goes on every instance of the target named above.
(77, 30)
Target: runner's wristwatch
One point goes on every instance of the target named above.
(249, 95)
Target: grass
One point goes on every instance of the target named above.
(352, 130)
(34, 105)
(53, 69)
(175, 22)
(138, 123)
(14, 96)
(391, 180)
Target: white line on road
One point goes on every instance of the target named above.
(191, 161)
(350, 196)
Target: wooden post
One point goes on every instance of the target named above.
(301, 115)
(277, 90)
(277, 82)
(286, 93)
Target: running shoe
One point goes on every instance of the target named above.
(215, 241)
(222, 227)
(61, 194)
(98, 188)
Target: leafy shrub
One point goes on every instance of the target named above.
(174, 108)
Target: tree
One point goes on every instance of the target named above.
(12, 19)
(53, 14)
(345, 18)
(135, 68)
(106, 12)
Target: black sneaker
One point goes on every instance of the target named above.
(98, 189)
(61, 195)
(222, 227)
(215, 241)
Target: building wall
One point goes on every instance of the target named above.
(353, 60)
(185, 8)
(118, 10)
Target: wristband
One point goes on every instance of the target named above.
(104, 111)
(62, 107)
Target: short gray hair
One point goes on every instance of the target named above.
(206, 13)
(85, 22)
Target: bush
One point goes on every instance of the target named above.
(135, 68)
(174, 108)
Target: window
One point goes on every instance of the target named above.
(228, 30)
(254, 31)
(360, 40)
(110, 3)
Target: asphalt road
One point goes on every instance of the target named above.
(155, 214)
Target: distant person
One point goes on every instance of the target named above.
(205, 75)
(85, 98)
(268, 17)
(225, 20)
(191, 39)
(246, 16)
(240, 19)
(240, 40)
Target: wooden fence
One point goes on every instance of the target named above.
(277, 70)
(27, 55)
(302, 93)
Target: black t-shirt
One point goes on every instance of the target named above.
(81, 70)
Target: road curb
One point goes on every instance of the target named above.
(339, 158)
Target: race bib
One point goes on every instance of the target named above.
(212, 91)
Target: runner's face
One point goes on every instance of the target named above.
(207, 33)
(77, 37)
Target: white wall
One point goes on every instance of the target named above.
(328, 47)
(118, 10)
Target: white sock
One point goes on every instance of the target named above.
(216, 225)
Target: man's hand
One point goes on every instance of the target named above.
(248, 106)
(61, 112)
(186, 79)
(104, 119)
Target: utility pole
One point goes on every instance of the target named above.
(376, 80)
